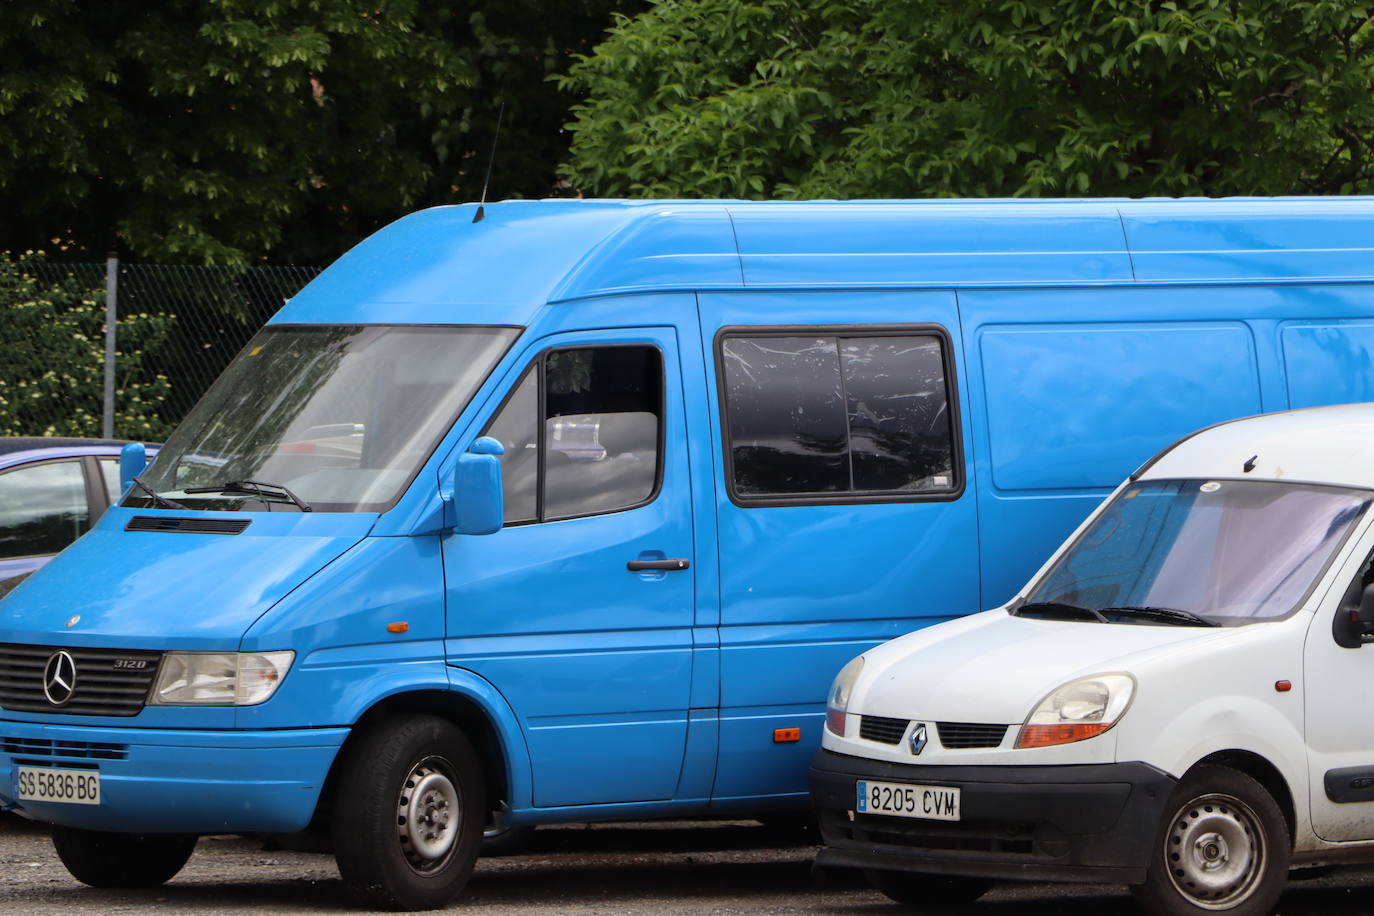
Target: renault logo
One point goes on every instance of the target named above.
(59, 678)
(918, 737)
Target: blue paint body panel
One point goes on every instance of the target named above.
(173, 781)
(1082, 336)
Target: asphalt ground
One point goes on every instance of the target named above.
(660, 868)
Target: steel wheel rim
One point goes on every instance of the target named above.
(1215, 851)
(428, 815)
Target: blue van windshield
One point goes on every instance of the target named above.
(1219, 551)
(341, 416)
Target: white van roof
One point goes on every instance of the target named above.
(1332, 445)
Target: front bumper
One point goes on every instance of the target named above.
(1091, 822)
(175, 781)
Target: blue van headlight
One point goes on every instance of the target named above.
(219, 678)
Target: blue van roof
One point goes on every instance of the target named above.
(438, 266)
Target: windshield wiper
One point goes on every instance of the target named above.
(258, 488)
(1060, 610)
(158, 498)
(1164, 615)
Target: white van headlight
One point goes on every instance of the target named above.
(838, 702)
(1080, 709)
(219, 678)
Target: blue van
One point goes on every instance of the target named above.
(571, 512)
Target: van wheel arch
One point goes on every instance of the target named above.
(463, 712)
(1263, 772)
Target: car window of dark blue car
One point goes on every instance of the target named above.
(42, 508)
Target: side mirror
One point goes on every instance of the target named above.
(133, 460)
(1353, 622)
(479, 505)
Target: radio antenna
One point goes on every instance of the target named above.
(491, 160)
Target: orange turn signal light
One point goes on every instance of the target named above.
(1049, 735)
(399, 626)
(1283, 686)
(786, 735)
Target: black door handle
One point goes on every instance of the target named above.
(670, 564)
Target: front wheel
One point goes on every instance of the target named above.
(121, 860)
(1223, 849)
(410, 813)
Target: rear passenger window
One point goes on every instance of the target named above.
(845, 417)
(581, 433)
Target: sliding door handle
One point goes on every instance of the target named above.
(673, 563)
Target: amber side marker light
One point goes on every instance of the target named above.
(786, 735)
(1048, 735)
(1283, 686)
(399, 626)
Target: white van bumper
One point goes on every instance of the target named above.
(1090, 822)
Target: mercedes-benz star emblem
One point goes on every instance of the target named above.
(918, 737)
(59, 678)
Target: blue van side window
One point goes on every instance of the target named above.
(838, 415)
(597, 449)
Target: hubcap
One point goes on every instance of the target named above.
(1215, 851)
(428, 816)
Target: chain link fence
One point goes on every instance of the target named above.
(176, 328)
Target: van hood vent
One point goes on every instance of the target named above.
(187, 525)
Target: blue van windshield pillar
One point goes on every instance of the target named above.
(340, 416)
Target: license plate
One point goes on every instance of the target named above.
(936, 803)
(75, 787)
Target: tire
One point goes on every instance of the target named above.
(410, 814)
(504, 841)
(918, 890)
(124, 860)
(1224, 848)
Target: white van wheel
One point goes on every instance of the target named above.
(1224, 848)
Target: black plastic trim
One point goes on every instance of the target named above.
(952, 408)
(1085, 822)
(1350, 784)
(187, 525)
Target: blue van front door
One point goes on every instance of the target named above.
(580, 609)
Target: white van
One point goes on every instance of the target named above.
(1180, 700)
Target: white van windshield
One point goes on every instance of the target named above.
(336, 417)
(1205, 552)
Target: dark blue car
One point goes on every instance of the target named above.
(51, 491)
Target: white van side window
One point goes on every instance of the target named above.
(597, 449)
(836, 416)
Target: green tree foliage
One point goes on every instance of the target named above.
(222, 131)
(937, 98)
(52, 360)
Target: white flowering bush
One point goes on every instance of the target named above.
(52, 359)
